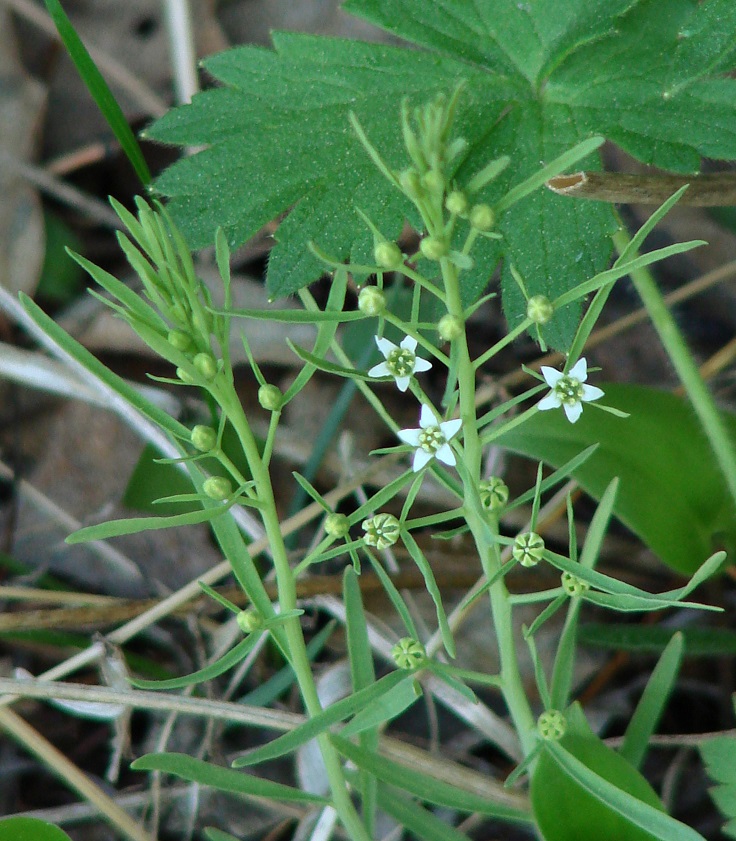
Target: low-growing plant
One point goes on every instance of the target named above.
(500, 87)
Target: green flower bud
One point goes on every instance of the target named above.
(528, 549)
(372, 301)
(450, 327)
(337, 525)
(204, 438)
(217, 487)
(457, 203)
(381, 531)
(179, 340)
(184, 376)
(494, 493)
(434, 182)
(206, 364)
(411, 183)
(270, 397)
(409, 654)
(539, 308)
(434, 248)
(573, 585)
(551, 725)
(179, 313)
(482, 217)
(250, 620)
(388, 256)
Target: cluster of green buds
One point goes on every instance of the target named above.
(494, 494)
(551, 725)
(381, 530)
(409, 654)
(528, 549)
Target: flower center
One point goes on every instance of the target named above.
(431, 439)
(569, 390)
(400, 362)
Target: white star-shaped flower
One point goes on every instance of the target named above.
(401, 361)
(431, 439)
(568, 390)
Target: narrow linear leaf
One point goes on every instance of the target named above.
(328, 367)
(651, 705)
(223, 779)
(385, 709)
(99, 90)
(294, 316)
(134, 525)
(227, 661)
(420, 822)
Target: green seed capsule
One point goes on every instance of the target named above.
(539, 309)
(372, 301)
(528, 549)
(249, 620)
(494, 493)
(409, 654)
(551, 725)
(217, 487)
(450, 327)
(388, 256)
(337, 525)
(434, 248)
(206, 364)
(270, 397)
(482, 217)
(179, 340)
(204, 438)
(457, 203)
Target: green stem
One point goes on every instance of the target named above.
(298, 657)
(686, 368)
(511, 684)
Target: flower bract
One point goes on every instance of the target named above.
(569, 390)
(401, 361)
(431, 439)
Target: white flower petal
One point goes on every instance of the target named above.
(591, 392)
(427, 417)
(579, 370)
(446, 455)
(380, 370)
(402, 383)
(450, 428)
(421, 364)
(421, 457)
(551, 376)
(409, 343)
(385, 346)
(573, 411)
(409, 436)
(551, 401)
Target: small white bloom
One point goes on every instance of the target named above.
(401, 361)
(431, 439)
(568, 390)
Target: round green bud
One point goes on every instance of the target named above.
(434, 248)
(494, 493)
(372, 301)
(337, 525)
(179, 340)
(217, 487)
(184, 376)
(450, 327)
(434, 182)
(250, 620)
(409, 654)
(270, 397)
(206, 364)
(539, 308)
(411, 183)
(528, 549)
(573, 585)
(388, 255)
(204, 438)
(457, 203)
(482, 217)
(551, 725)
(382, 530)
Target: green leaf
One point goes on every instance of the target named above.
(385, 709)
(719, 756)
(320, 723)
(99, 90)
(212, 834)
(651, 705)
(30, 829)
(427, 788)
(671, 492)
(420, 822)
(227, 661)
(223, 779)
(698, 642)
(582, 790)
